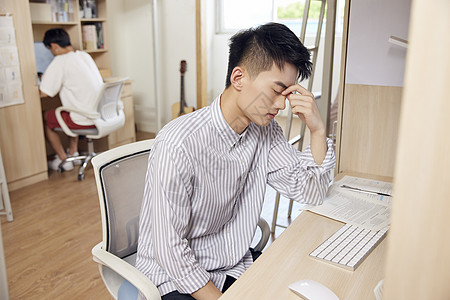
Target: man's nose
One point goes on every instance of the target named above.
(280, 102)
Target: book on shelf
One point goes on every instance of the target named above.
(100, 43)
(89, 37)
(88, 9)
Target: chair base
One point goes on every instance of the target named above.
(85, 158)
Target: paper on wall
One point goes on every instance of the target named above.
(10, 77)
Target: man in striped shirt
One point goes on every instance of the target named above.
(208, 170)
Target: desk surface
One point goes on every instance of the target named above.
(287, 260)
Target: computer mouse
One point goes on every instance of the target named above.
(312, 290)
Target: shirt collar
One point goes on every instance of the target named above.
(229, 136)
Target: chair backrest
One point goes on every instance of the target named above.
(110, 108)
(120, 176)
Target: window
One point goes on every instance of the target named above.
(233, 15)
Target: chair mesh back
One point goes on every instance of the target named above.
(107, 106)
(123, 187)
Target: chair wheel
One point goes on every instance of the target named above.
(80, 177)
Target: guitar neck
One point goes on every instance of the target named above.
(182, 99)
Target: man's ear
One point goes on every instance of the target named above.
(238, 77)
(54, 47)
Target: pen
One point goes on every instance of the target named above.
(351, 188)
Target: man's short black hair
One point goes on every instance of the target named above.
(58, 36)
(257, 49)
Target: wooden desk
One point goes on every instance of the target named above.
(287, 260)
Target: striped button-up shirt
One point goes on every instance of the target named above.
(204, 192)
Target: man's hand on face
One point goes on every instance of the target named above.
(304, 106)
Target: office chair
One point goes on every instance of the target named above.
(108, 118)
(120, 177)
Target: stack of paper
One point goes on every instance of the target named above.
(358, 201)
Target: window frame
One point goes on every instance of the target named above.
(219, 11)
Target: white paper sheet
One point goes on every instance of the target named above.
(368, 211)
(369, 185)
(11, 80)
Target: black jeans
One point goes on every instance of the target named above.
(175, 295)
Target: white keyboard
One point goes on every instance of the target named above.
(348, 246)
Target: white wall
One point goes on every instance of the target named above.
(177, 43)
(373, 51)
(131, 48)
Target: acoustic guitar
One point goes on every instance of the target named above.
(180, 108)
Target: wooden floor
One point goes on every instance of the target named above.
(48, 245)
(56, 224)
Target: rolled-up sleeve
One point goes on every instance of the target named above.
(170, 213)
(295, 174)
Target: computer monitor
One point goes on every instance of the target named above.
(43, 57)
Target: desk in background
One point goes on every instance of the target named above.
(287, 260)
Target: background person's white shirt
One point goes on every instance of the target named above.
(77, 79)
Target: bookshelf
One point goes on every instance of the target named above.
(44, 18)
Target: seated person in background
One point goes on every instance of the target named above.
(77, 79)
(208, 170)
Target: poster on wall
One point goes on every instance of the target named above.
(10, 79)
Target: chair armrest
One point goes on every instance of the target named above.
(127, 271)
(87, 114)
(265, 233)
(295, 139)
(64, 127)
(317, 95)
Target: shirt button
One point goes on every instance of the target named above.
(231, 258)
